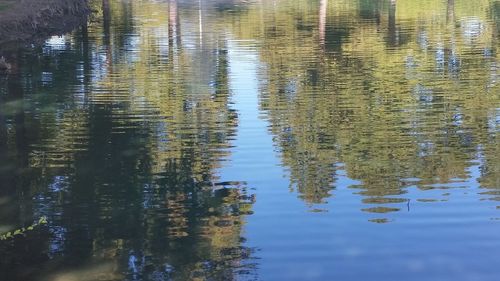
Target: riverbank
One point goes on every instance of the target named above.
(30, 21)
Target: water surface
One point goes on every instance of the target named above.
(256, 140)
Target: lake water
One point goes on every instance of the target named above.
(256, 140)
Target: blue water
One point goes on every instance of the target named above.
(254, 140)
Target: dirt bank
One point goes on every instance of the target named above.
(31, 21)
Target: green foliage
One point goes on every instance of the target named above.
(24, 230)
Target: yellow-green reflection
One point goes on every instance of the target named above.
(116, 132)
(393, 90)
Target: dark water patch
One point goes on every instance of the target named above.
(381, 220)
(383, 200)
(427, 200)
(380, 210)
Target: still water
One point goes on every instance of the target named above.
(256, 140)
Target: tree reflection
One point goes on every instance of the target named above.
(125, 164)
(393, 117)
(116, 132)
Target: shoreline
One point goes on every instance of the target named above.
(32, 21)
